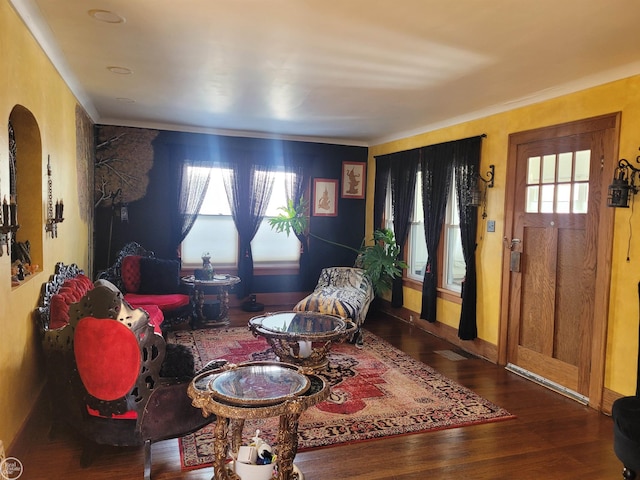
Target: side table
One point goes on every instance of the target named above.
(220, 284)
(252, 390)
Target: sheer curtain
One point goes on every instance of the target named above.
(466, 164)
(436, 165)
(403, 171)
(193, 181)
(248, 188)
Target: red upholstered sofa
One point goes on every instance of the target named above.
(66, 286)
(147, 281)
(110, 374)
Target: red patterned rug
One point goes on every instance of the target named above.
(376, 392)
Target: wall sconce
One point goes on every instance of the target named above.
(9, 223)
(624, 182)
(478, 196)
(53, 217)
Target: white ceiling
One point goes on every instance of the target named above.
(348, 71)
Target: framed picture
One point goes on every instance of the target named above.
(354, 179)
(325, 197)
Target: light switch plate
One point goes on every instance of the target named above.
(491, 226)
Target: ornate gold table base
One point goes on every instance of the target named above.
(302, 338)
(231, 416)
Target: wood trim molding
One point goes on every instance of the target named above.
(478, 347)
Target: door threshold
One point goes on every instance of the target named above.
(556, 387)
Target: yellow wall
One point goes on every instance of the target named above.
(623, 96)
(29, 79)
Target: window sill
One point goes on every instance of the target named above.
(257, 270)
(449, 295)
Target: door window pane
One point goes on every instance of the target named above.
(565, 164)
(533, 170)
(548, 169)
(546, 205)
(531, 202)
(583, 161)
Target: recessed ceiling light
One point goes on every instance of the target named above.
(120, 70)
(106, 16)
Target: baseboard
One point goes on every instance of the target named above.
(608, 397)
(477, 347)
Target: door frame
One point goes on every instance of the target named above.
(605, 229)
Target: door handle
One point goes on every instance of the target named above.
(510, 244)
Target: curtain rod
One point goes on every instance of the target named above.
(482, 135)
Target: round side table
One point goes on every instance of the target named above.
(220, 284)
(235, 393)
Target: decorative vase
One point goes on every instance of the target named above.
(207, 269)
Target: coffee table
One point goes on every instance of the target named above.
(235, 393)
(302, 338)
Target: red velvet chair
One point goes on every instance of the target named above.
(116, 384)
(147, 281)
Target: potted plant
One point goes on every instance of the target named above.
(379, 260)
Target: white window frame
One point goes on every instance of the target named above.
(216, 224)
(416, 248)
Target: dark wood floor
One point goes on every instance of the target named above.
(552, 437)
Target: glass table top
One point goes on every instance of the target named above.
(299, 322)
(258, 384)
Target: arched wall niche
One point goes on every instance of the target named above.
(26, 180)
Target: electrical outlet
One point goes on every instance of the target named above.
(491, 226)
(410, 318)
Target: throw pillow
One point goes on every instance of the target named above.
(159, 276)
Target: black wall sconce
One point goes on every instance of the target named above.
(478, 196)
(53, 217)
(624, 183)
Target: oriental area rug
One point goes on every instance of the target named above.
(377, 391)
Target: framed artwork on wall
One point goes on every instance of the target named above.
(354, 179)
(325, 197)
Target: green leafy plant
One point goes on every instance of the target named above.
(292, 218)
(379, 260)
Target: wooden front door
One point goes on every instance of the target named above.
(554, 251)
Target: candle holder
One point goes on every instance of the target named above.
(54, 217)
(9, 225)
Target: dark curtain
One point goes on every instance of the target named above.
(383, 166)
(466, 164)
(248, 188)
(299, 169)
(403, 170)
(436, 166)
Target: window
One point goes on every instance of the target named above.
(451, 262)
(417, 254)
(214, 231)
(558, 183)
(454, 265)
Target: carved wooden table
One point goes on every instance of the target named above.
(302, 338)
(251, 390)
(221, 285)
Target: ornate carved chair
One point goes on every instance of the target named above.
(115, 384)
(147, 281)
(626, 429)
